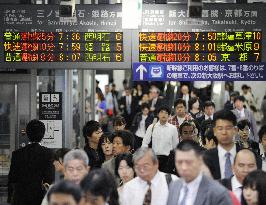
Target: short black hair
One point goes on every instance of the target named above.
(35, 130)
(90, 127)
(244, 86)
(65, 187)
(119, 121)
(224, 115)
(145, 105)
(243, 123)
(187, 123)
(209, 134)
(262, 132)
(100, 182)
(164, 108)
(257, 180)
(105, 136)
(234, 94)
(126, 136)
(191, 101)
(209, 103)
(180, 101)
(187, 145)
(239, 97)
(60, 153)
(128, 157)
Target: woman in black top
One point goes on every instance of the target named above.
(92, 132)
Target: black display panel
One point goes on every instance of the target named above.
(63, 46)
(240, 46)
(35, 36)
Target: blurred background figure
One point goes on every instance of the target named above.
(140, 123)
(263, 111)
(58, 163)
(100, 107)
(99, 188)
(129, 106)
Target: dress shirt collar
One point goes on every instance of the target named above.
(165, 125)
(155, 180)
(235, 183)
(222, 151)
(193, 185)
(207, 117)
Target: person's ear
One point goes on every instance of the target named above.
(88, 168)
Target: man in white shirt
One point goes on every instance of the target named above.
(150, 186)
(163, 137)
(194, 188)
(244, 163)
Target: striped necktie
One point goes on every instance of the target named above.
(147, 198)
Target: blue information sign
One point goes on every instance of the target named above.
(199, 71)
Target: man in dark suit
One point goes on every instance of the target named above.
(156, 102)
(207, 118)
(31, 167)
(244, 163)
(220, 159)
(129, 107)
(194, 187)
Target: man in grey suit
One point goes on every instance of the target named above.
(193, 187)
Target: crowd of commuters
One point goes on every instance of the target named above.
(150, 154)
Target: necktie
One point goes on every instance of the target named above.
(128, 105)
(183, 202)
(227, 168)
(147, 198)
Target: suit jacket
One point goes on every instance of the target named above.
(211, 159)
(134, 108)
(249, 116)
(31, 166)
(157, 105)
(210, 192)
(227, 183)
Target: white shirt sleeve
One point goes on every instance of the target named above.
(147, 137)
(175, 138)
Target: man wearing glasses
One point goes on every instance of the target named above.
(150, 186)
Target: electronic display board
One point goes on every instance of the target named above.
(63, 46)
(240, 46)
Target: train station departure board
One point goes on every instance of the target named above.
(63, 46)
(240, 46)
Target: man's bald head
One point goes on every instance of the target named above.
(245, 152)
(244, 163)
